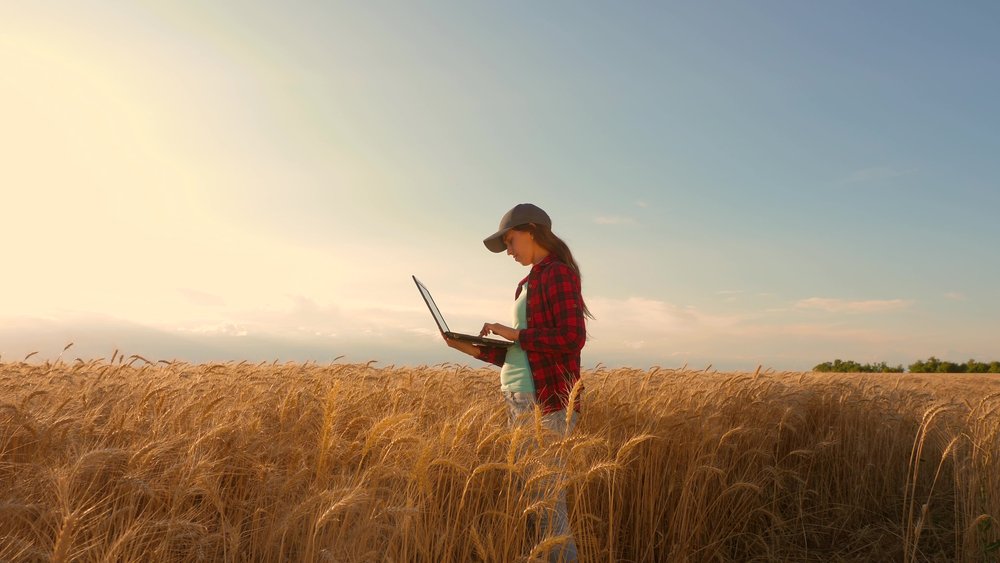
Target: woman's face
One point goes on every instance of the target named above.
(521, 246)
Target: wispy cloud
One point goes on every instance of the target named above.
(848, 306)
(202, 298)
(641, 319)
(954, 296)
(730, 295)
(642, 204)
(614, 220)
(639, 329)
(876, 173)
(424, 333)
(223, 328)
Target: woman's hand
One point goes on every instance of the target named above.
(500, 330)
(466, 347)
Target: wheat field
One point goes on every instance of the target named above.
(131, 460)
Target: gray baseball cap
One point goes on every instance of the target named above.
(521, 214)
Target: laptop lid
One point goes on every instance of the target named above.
(443, 326)
(438, 317)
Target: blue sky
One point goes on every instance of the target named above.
(772, 183)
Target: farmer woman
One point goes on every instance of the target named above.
(548, 333)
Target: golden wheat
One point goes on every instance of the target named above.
(101, 460)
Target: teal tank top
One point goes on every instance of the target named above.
(515, 375)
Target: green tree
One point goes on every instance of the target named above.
(931, 365)
(934, 365)
(850, 366)
(882, 367)
(972, 366)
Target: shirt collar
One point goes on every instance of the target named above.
(535, 269)
(545, 262)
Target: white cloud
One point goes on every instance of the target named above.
(629, 331)
(614, 220)
(875, 173)
(648, 330)
(730, 295)
(847, 306)
(650, 326)
(954, 296)
(223, 328)
(201, 298)
(424, 332)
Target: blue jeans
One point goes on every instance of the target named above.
(521, 411)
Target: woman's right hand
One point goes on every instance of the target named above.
(466, 347)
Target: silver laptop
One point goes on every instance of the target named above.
(443, 326)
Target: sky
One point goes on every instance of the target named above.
(767, 183)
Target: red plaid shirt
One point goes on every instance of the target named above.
(555, 333)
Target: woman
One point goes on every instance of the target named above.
(548, 332)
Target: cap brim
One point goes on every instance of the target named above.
(495, 242)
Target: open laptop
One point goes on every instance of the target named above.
(443, 326)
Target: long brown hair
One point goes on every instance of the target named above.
(555, 245)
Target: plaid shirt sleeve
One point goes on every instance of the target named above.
(561, 294)
(493, 354)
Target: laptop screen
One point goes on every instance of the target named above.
(431, 305)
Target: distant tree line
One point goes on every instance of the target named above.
(851, 366)
(930, 365)
(934, 365)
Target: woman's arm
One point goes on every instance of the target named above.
(464, 347)
(493, 355)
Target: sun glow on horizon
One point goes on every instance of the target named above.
(116, 173)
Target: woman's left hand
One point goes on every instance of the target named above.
(500, 330)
